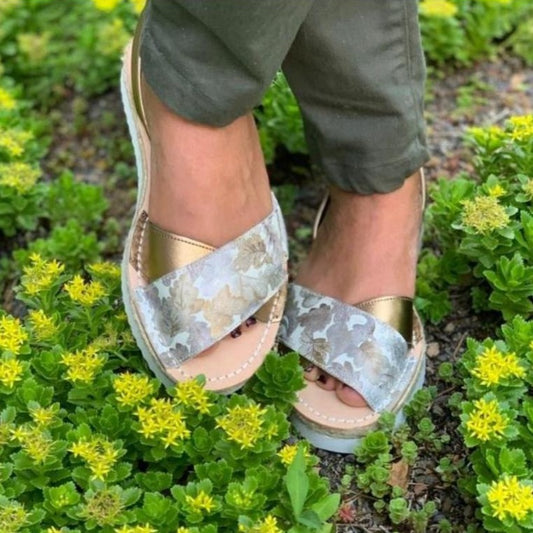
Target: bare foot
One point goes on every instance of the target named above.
(366, 247)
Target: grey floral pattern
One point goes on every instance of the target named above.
(350, 344)
(188, 310)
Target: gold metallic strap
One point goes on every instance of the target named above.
(156, 252)
(136, 72)
(396, 311)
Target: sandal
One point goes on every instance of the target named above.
(376, 347)
(186, 300)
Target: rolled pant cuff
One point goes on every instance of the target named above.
(382, 178)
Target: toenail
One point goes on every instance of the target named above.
(250, 321)
(236, 333)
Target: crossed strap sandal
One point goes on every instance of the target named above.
(193, 309)
(376, 347)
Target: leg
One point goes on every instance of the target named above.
(357, 70)
(207, 65)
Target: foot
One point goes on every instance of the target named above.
(209, 184)
(366, 247)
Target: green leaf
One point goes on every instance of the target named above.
(297, 483)
(327, 507)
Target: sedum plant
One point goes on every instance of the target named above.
(484, 229)
(91, 442)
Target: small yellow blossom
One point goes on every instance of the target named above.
(6, 100)
(183, 530)
(496, 191)
(105, 5)
(105, 269)
(486, 135)
(268, 525)
(492, 366)
(138, 5)
(438, 8)
(243, 425)
(19, 176)
(509, 498)
(83, 365)
(99, 453)
(132, 389)
(12, 142)
(191, 394)
(200, 502)
(163, 420)
(288, 453)
(13, 517)
(12, 334)
(35, 441)
(484, 214)
(43, 416)
(521, 127)
(11, 371)
(40, 274)
(136, 529)
(486, 422)
(42, 326)
(85, 293)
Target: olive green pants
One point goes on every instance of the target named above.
(355, 66)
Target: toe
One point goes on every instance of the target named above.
(326, 382)
(311, 373)
(349, 396)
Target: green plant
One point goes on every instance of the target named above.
(91, 441)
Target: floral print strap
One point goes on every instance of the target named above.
(188, 310)
(349, 344)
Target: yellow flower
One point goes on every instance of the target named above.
(136, 529)
(42, 416)
(200, 502)
(288, 453)
(19, 176)
(6, 100)
(83, 365)
(12, 334)
(99, 453)
(11, 371)
(492, 366)
(163, 420)
(192, 394)
(138, 5)
(486, 422)
(243, 424)
(105, 269)
(105, 5)
(12, 142)
(132, 389)
(484, 214)
(40, 275)
(496, 191)
(268, 525)
(35, 441)
(521, 127)
(43, 327)
(13, 517)
(85, 293)
(510, 498)
(438, 8)
(183, 530)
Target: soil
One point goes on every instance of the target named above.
(88, 132)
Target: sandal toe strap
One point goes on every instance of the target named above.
(349, 344)
(191, 308)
